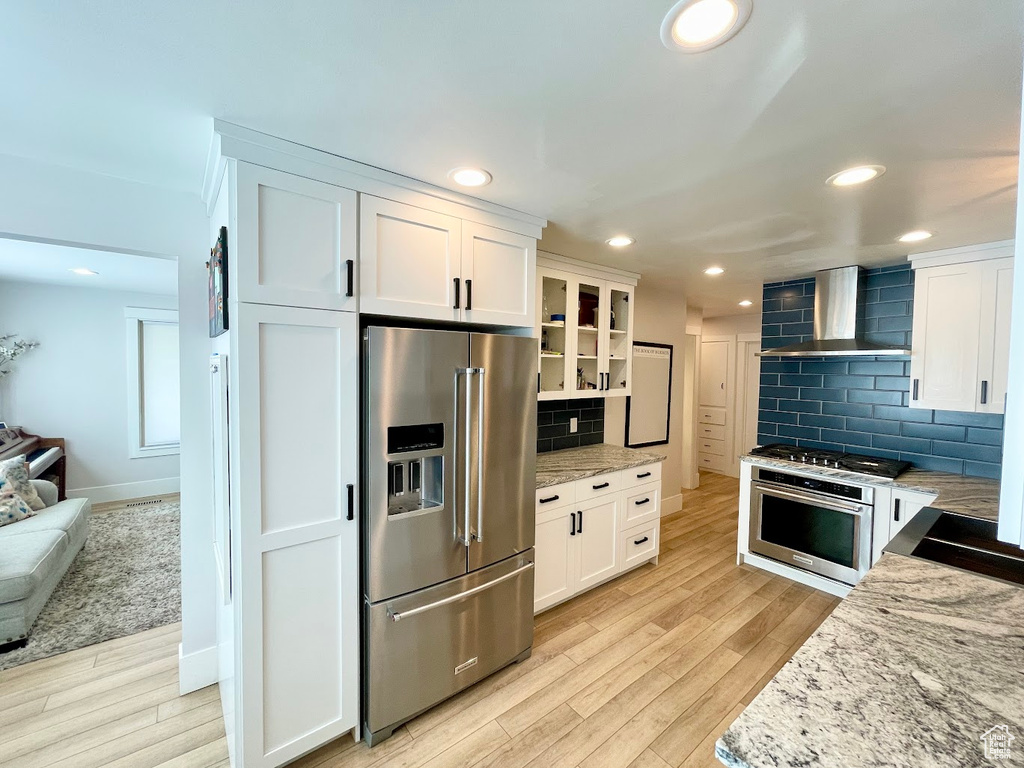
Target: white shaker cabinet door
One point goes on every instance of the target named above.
(994, 344)
(598, 540)
(298, 587)
(498, 275)
(296, 241)
(947, 327)
(555, 557)
(410, 261)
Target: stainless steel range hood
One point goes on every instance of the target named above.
(835, 321)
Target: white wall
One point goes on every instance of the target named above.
(57, 204)
(74, 385)
(659, 316)
(732, 325)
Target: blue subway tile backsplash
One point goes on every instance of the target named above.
(860, 405)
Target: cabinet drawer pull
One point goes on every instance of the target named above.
(642, 502)
(351, 501)
(572, 519)
(984, 392)
(549, 499)
(642, 475)
(602, 485)
(917, 383)
(469, 294)
(458, 300)
(896, 511)
(579, 527)
(641, 541)
(349, 268)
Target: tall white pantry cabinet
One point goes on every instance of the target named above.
(313, 240)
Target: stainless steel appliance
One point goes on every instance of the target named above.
(449, 462)
(817, 524)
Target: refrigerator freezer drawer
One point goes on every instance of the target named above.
(428, 645)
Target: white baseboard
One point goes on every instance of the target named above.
(101, 494)
(671, 504)
(196, 670)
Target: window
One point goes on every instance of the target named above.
(153, 407)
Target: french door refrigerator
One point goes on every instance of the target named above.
(449, 462)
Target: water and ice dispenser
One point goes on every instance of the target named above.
(415, 483)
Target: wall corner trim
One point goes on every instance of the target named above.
(196, 670)
(670, 504)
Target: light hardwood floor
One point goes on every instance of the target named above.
(642, 672)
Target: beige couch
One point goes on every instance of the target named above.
(34, 555)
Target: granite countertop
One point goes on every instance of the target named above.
(910, 670)
(972, 496)
(576, 463)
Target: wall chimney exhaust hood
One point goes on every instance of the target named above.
(835, 321)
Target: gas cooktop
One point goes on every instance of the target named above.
(851, 462)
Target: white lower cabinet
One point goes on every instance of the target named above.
(903, 506)
(613, 526)
(597, 541)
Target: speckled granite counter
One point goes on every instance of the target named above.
(909, 671)
(576, 463)
(974, 496)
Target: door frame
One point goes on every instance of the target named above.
(748, 376)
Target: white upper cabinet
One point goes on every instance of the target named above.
(410, 261)
(498, 273)
(961, 336)
(586, 330)
(296, 241)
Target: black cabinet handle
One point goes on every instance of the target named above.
(642, 502)
(643, 475)
(458, 300)
(469, 294)
(351, 501)
(350, 266)
(641, 541)
(599, 487)
(916, 384)
(984, 392)
(579, 528)
(573, 518)
(896, 511)
(549, 499)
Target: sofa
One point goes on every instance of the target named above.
(34, 556)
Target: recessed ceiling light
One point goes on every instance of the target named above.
(83, 271)
(746, 303)
(697, 25)
(470, 177)
(713, 271)
(857, 175)
(620, 241)
(915, 237)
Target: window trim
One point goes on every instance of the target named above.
(134, 318)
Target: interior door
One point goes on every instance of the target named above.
(597, 541)
(714, 371)
(498, 269)
(502, 483)
(413, 536)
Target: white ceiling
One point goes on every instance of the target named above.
(576, 108)
(31, 262)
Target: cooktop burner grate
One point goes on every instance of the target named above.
(851, 462)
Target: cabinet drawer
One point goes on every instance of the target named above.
(649, 473)
(711, 415)
(599, 485)
(642, 505)
(556, 496)
(716, 447)
(638, 545)
(710, 432)
(710, 461)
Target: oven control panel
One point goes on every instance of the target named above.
(842, 490)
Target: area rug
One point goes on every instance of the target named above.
(126, 579)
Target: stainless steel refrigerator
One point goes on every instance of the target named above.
(449, 462)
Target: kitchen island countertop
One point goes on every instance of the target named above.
(910, 670)
(577, 463)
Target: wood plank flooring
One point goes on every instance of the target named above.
(642, 672)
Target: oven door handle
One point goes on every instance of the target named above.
(861, 510)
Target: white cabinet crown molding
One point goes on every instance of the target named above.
(564, 263)
(962, 255)
(236, 142)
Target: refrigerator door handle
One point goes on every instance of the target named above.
(467, 538)
(479, 373)
(462, 595)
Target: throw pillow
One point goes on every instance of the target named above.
(13, 508)
(14, 479)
